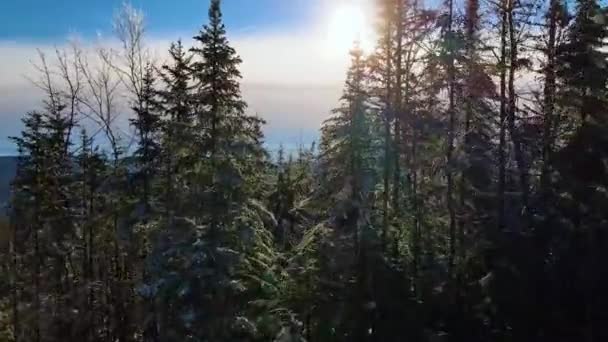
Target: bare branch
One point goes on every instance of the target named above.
(101, 83)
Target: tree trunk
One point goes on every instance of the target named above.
(471, 23)
(37, 261)
(398, 108)
(37, 257)
(387, 138)
(512, 109)
(503, 116)
(14, 284)
(450, 142)
(549, 100)
(415, 207)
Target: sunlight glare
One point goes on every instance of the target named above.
(348, 23)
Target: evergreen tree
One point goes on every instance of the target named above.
(169, 233)
(177, 129)
(582, 67)
(444, 203)
(43, 221)
(27, 220)
(221, 181)
(147, 125)
(348, 167)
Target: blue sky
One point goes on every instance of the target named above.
(293, 51)
(53, 19)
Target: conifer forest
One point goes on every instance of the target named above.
(457, 192)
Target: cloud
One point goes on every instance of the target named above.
(290, 80)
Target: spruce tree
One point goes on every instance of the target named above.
(27, 213)
(147, 126)
(174, 101)
(42, 207)
(582, 63)
(170, 232)
(348, 178)
(230, 139)
(213, 164)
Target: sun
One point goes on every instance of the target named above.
(349, 22)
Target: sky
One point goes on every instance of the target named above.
(295, 52)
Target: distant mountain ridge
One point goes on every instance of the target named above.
(8, 168)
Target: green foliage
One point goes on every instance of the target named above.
(402, 226)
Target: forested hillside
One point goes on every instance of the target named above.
(458, 192)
